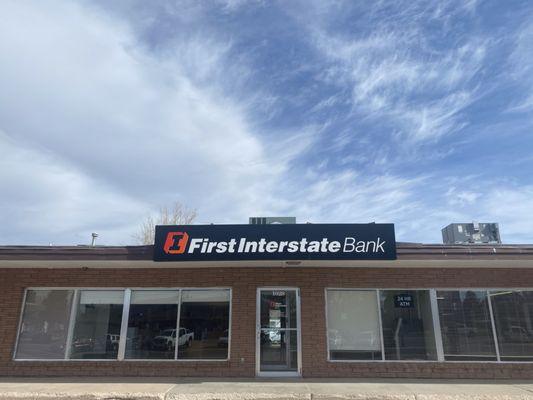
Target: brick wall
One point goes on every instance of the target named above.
(244, 282)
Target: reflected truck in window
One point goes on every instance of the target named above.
(223, 340)
(516, 334)
(167, 339)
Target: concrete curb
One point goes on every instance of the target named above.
(333, 396)
(252, 396)
(80, 396)
(197, 389)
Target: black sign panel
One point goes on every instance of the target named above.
(275, 242)
(404, 301)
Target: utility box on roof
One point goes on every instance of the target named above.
(271, 220)
(471, 233)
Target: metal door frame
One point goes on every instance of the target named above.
(258, 371)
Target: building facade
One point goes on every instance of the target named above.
(436, 311)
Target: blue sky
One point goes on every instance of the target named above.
(416, 113)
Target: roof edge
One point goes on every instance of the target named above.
(145, 252)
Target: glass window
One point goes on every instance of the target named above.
(279, 350)
(204, 324)
(513, 318)
(407, 325)
(465, 325)
(43, 331)
(152, 324)
(353, 325)
(278, 309)
(97, 327)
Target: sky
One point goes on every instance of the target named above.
(417, 113)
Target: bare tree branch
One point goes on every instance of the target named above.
(177, 214)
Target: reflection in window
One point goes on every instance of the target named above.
(353, 325)
(407, 325)
(204, 324)
(97, 328)
(152, 324)
(465, 325)
(513, 318)
(278, 309)
(43, 331)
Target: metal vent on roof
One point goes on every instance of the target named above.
(271, 220)
(471, 233)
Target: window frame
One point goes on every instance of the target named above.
(493, 323)
(379, 322)
(435, 320)
(21, 319)
(124, 324)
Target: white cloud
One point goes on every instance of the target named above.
(520, 65)
(46, 200)
(347, 196)
(461, 197)
(419, 207)
(433, 119)
(233, 5)
(396, 73)
(78, 90)
(512, 208)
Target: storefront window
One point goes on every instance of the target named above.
(353, 325)
(513, 318)
(43, 330)
(407, 325)
(152, 329)
(97, 328)
(152, 324)
(204, 324)
(465, 325)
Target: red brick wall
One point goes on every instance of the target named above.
(244, 282)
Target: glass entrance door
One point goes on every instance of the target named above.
(278, 332)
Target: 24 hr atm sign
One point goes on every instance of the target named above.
(275, 242)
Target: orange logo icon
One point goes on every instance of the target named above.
(176, 242)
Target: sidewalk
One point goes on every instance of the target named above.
(256, 389)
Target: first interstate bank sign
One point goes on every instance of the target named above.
(274, 242)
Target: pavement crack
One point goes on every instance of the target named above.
(165, 394)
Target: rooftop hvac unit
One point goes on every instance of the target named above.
(271, 220)
(471, 233)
